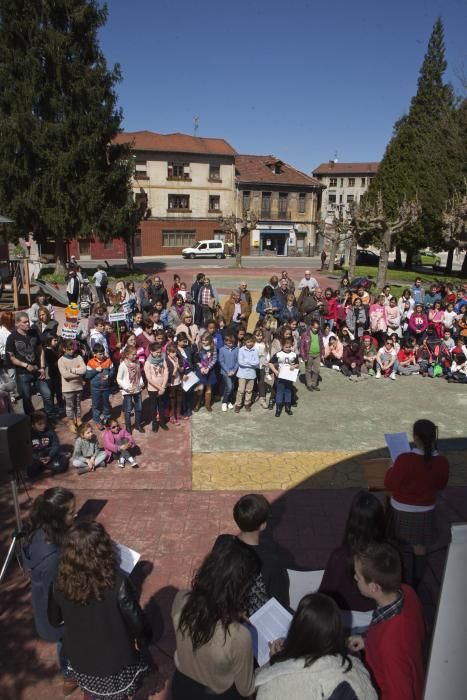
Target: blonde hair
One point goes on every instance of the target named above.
(207, 338)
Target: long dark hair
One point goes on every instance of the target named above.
(219, 590)
(88, 563)
(365, 523)
(315, 631)
(49, 512)
(427, 433)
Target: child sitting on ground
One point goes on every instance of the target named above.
(251, 514)
(46, 452)
(284, 358)
(87, 455)
(117, 442)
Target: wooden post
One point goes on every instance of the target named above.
(26, 281)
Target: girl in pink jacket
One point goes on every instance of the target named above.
(117, 442)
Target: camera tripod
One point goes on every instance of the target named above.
(18, 532)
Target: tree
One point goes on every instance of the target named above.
(373, 218)
(455, 226)
(238, 228)
(61, 175)
(423, 159)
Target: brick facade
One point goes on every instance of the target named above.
(94, 249)
(152, 230)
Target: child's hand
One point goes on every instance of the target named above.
(356, 643)
(275, 646)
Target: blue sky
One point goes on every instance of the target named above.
(299, 78)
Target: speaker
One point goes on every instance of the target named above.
(15, 444)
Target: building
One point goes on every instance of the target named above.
(283, 200)
(185, 184)
(344, 182)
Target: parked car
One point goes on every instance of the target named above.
(366, 257)
(427, 258)
(205, 249)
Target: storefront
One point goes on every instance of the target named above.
(273, 239)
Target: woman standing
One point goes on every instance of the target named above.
(312, 661)
(414, 480)
(102, 619)
(51, 516)
(214, 655)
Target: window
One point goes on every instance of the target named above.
(363, 182)
(283, 201)
(246, 201)
(178, 239)
(332, 199)
(301, 203)
(351, 182)
(141, 169)
(266, 203)
(333, 182)
(341, 197)
(178, 171)
(179, 202)
(350, 198)
(215, 173)
(342, 182)
(214, 202)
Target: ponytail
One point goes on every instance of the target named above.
(427, 432)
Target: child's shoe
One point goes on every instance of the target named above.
(392, 375)
(224, 407)
(164, 425)
(121, 462)
(140, 428)
(230, 406)
(237, 409)
(263, 403)
(155, 426)
(278, 409)
(378, 374)
(288, 410)
(133, 462)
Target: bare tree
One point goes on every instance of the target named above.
(454, 227)
(238, 228)
(371, 217)
(336, 232)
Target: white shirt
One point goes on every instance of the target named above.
(310, 283)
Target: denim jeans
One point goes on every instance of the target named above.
(128, 401)
(228, 386)
(27, 384)
(283, 391)
(100, 399)
(63, 662)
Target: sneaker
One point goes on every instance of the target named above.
(133, 462)
(83, 470)
(121, 462)
(371, 372)
(336, 367)
(378, 375)
(263, 403)
(392, 375)
(230, 406)
(140, 429)
(224, 407)
(237, 409)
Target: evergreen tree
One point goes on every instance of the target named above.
(422, 159)
(60, 174)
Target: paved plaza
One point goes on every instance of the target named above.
(173, 507)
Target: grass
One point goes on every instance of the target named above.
(115, 273)
(406, 276)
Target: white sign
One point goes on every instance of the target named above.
(286, 372)
(189, 380)
(397, 443)
(69, 330)
(117, 316)
(270, 622)
(128, 558)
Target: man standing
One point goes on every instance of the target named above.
(100, 280)
(312, 305)
(323, 258)
(308, 281)
(312, 352)
(26, 356)
(245, 295)
(236, 312)
(72, 288)
(159, 292)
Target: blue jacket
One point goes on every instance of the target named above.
(431, 298)
(418, 294)
(96, 378)
(261, 306)
(44, 444)
(248, 363)
(228, 359)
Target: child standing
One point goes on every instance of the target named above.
(174, 382)
(117, 442)
(51, 354)
(87, 455)
(157, 376)
(45, 448)
(72, 370)
(260, 346)
(285, 357)
(248, 363)
(100, 371)
(97, 336)
(206, 372)
(228, 361)
(130, 381)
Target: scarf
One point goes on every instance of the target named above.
(134, 372)
(158, 360)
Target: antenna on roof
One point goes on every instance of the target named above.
(335, 157)
(195, 126)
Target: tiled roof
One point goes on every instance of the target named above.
(251, 169)
(332, 168)
(169, 143)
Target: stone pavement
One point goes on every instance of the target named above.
(173, 507)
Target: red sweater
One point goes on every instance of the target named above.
(414, 481)
(394, 652)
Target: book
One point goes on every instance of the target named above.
(270, 622)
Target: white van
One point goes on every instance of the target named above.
(205, 249)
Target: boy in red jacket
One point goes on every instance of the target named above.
(396, 635)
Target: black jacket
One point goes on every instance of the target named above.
(99, 637)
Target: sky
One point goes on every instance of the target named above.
(301, 79)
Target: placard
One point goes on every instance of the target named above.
(190, 380)
(286, 372)
(117, 316)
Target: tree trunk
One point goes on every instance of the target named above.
(60, 257)
(332, 253)
(384, 258)
(449, 261)
(238, 250)
(408, 259)
(398, 259)
(464, 265)
(129, 251)
(352, 259)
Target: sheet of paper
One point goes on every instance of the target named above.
(191, 380)
(272, 621)
(397, 444)
(354, 618)
(128, 558)
(285, 372)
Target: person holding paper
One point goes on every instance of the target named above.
(414, 481)
(214, 653)
(284, 364)
(312, 662)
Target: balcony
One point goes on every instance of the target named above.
(268, 215)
